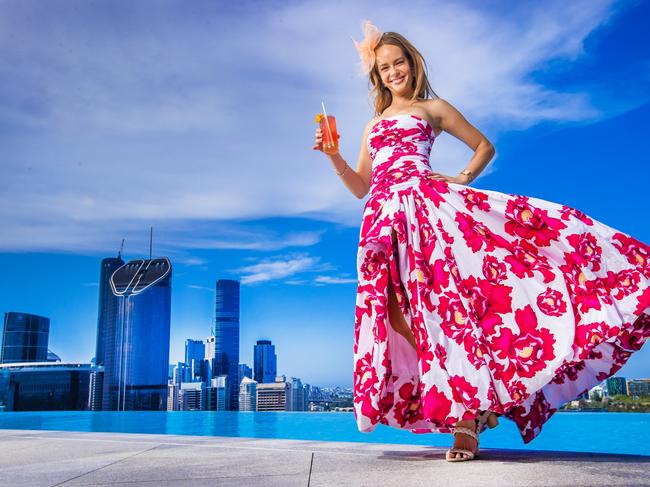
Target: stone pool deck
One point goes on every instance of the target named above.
(62, 458)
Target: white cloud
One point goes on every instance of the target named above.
(201, 288)
(334, 280)
(280, 268)
(159, 120)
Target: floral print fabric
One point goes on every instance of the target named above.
(517, 304)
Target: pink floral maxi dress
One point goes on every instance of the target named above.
(518, 305)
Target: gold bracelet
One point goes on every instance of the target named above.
(342, 172)
(468, 173)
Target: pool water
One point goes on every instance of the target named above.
(565, 431)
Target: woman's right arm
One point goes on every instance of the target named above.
(357, 182)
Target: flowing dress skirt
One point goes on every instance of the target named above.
(517, 304)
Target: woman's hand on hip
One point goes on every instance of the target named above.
(460, 179)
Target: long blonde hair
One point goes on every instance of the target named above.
(422, 88)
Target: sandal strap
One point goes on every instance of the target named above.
(461, 450)
(467, 431)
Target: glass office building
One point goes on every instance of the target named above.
(226, 344)
(265, 362)
(136, 362)
(616, 386)
(194, 360)
(25, 337)
(44, 386)
(107, 309)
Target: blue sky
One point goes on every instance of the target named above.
(197, 118)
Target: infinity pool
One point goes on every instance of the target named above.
(565, 431)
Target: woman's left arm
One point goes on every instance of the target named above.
(452, 121)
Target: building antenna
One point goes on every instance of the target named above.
(119, 254)
(150, 241)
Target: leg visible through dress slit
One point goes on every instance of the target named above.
(396, 317)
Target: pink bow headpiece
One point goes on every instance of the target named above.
(366, 47)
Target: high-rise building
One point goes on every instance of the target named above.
(616, 386)
(298, 400)
(274, 396)
(194, 350)
(245, 371)
(136, 366)
(638, 387)
(107, 315)
(194, 359)
(247, 394)
(172, 397)
(191, 396)
(217, 394)
(107, 310)
(265, 362)
(45, 386)
(225, 360)
(24, 339)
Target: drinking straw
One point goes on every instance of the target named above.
(327, 123)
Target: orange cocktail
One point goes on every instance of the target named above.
(330, 136)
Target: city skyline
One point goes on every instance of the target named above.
(107, 132)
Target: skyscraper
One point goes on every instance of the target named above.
(616, 386)
(106, 329)
(107, 309)
(226, 332)
(25, 337)
(135, 369)
(194, 358)
(247, 394)
(244, 371)
(265, 362)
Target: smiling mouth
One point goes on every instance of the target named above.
(397, 81)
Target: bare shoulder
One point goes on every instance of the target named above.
(437, 107)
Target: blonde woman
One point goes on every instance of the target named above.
(471, 303)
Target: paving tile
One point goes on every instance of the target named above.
(49, 458)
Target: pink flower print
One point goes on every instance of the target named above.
(525, 259)
(365, 376)
(436, 406)
(531, 223)
(475, 199)
(591, 334)
(635, 251)
(441, 355)
(477, 234)
(530, 350)
(454, 317)
(408, 410)
(373, 261)
(551, 303)
(493, 270)
(587, 251)
(464, 392)
(567, 212)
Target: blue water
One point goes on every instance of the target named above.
(575, 432)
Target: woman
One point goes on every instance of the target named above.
(498, 304)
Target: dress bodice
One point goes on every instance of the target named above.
(399, 147)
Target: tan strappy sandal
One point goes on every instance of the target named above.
(471, 455)
(485, 419)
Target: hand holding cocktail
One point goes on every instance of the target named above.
(327, 138)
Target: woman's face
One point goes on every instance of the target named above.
(394, 69)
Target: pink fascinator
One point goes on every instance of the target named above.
(366, 47)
